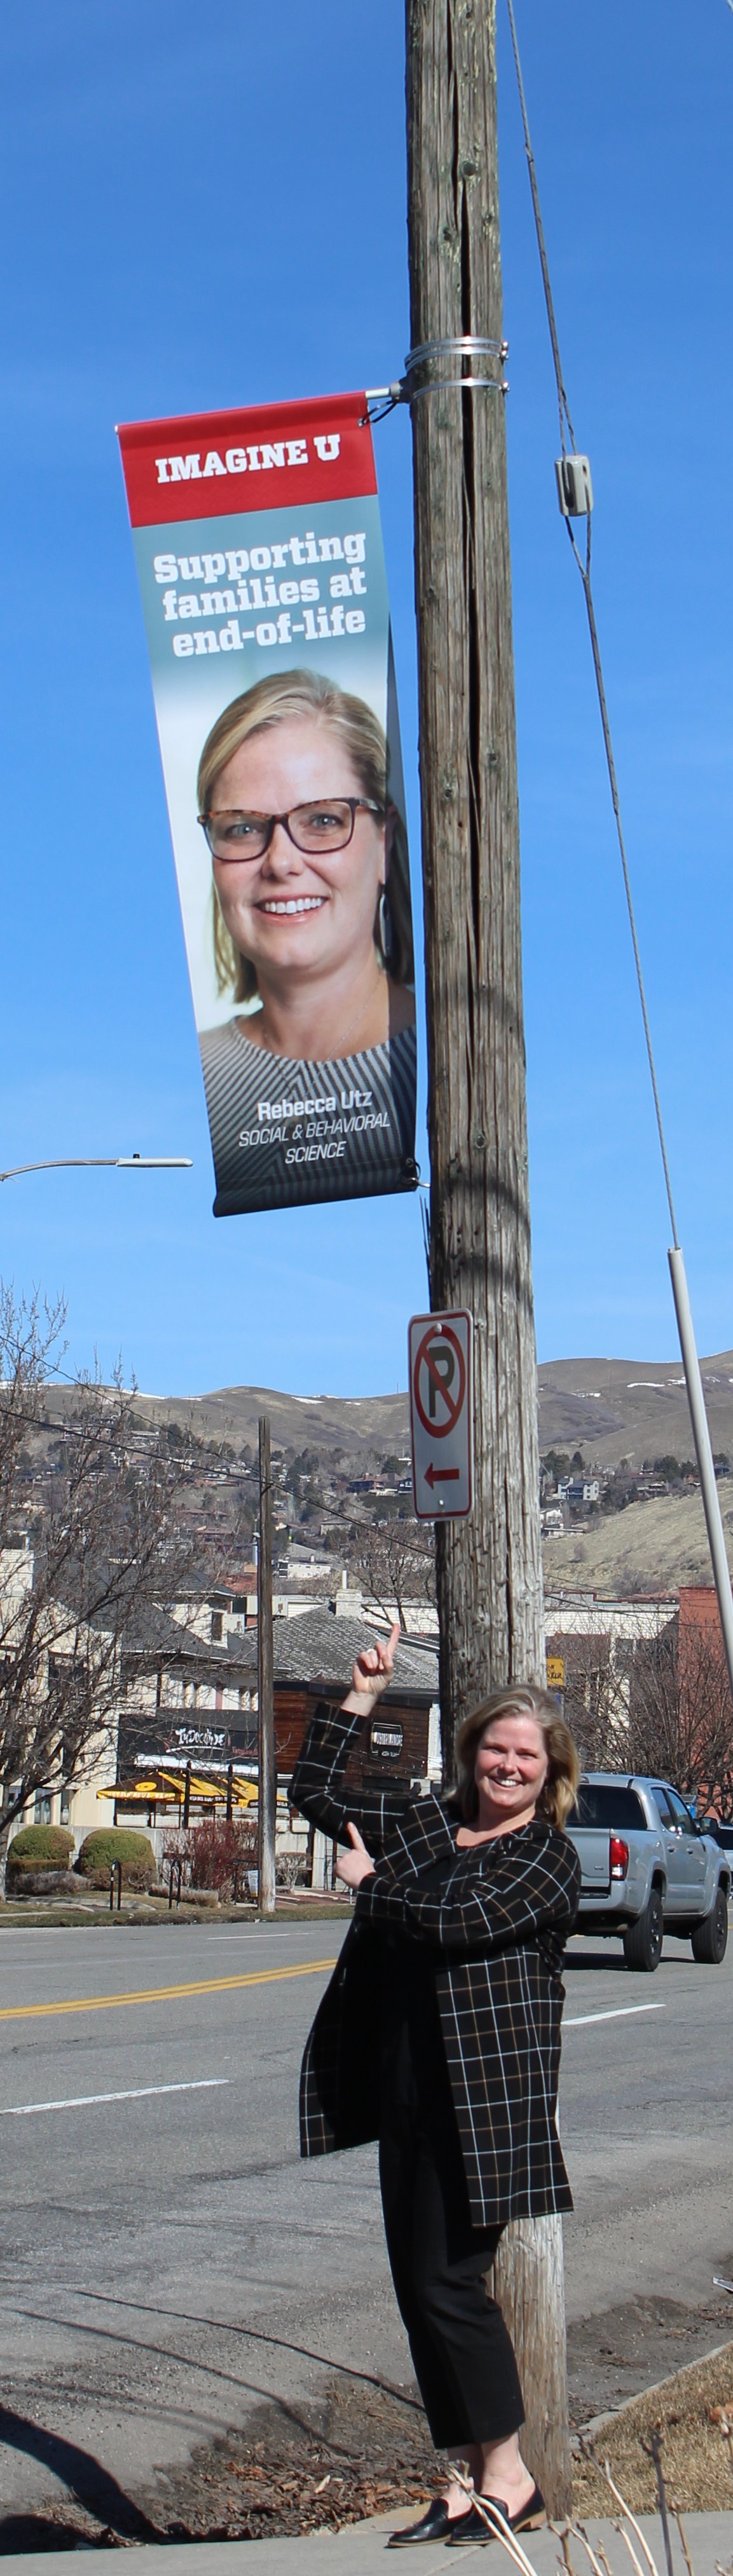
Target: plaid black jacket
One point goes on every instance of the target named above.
(497, 1924)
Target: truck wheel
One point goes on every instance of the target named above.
(643, 1941)
(710, 1937)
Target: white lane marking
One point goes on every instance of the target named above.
(135, 2093)
(620, 2013)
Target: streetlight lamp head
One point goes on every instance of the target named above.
(104, 1163)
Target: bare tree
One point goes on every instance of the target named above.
(593, 1699)
(91, 1537)
(600, 1660)
(395, 1562)
(681, 1718)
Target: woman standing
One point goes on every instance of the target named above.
(440, 2035)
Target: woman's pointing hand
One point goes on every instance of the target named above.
(354, 1865)
(375, 1665)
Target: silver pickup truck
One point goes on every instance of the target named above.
(647, 1869)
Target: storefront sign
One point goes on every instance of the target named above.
(198, 1739)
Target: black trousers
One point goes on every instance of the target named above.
(463, 2356)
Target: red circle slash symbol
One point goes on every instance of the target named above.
(440, 1354)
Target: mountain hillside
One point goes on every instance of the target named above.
(614, 1409)
(651, 1547)
(610, 1409)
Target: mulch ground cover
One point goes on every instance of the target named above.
(624, 2349)
(364, 2450)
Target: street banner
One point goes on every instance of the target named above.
(261, 566)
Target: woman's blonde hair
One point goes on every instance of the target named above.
(563, 1774)
(298, 694)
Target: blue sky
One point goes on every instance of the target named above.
(203, 207)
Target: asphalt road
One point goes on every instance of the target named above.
(167, 2262)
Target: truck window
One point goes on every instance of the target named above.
(609, 1807)
(680, 1812)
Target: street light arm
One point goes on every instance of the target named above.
(105, 1163)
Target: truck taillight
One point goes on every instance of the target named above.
(619, 1857)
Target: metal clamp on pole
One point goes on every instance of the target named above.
(470, 352)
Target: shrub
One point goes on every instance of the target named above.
(112, 1843)
(291, 1869)
(41, 1847)
(209, 1852)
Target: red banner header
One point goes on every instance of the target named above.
(218, 462)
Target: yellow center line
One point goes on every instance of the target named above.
(164, 1994)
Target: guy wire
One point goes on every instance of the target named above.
(584, 570)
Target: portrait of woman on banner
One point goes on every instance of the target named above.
(311, 1083)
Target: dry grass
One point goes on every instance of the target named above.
(696, 2460)
(653, 1546)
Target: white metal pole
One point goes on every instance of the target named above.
(701, 1436)
(266, 1770)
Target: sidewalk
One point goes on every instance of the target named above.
(360, 2548)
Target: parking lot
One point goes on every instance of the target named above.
(168, 2262)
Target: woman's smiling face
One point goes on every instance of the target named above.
(290, 911)
(511, 1766)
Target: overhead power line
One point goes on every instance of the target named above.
(574, 491)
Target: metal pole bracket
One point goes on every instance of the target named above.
(424, 367)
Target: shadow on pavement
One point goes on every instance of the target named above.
(610, 1962)
(20, 2532)
(249, 2334)
(84, 2478)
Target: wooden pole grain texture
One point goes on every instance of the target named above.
(489, 1568)
(267, 1781)
(489, 1571)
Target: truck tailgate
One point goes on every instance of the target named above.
(594, 1854)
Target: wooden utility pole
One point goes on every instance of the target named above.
(489, 1570)
(267, 1779)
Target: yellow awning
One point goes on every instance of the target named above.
(144, 1790)
(166, 1785)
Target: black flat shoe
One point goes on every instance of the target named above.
(436, 2524)
(471, 2526)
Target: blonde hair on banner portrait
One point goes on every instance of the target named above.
(310, 694)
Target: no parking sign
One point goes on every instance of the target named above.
(441, 1414)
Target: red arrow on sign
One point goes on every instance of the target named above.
(440, 1475)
